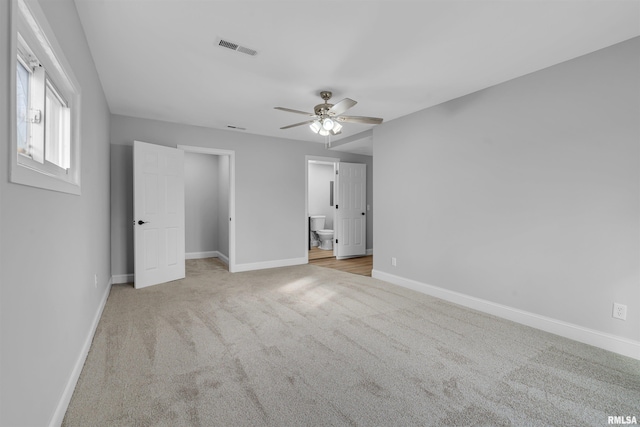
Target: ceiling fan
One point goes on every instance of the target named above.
(326, 118)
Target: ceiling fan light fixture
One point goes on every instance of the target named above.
(326, 118)
(315, 126)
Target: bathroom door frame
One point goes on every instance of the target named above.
(335, 161)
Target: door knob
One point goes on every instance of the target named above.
(142, 222)
(362, 213)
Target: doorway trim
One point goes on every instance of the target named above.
(307, 158)
(232, 194)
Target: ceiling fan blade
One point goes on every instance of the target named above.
(294, 111)
(357, 119)
(342, 106)
(298, 124)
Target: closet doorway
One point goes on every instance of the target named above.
(209, 204)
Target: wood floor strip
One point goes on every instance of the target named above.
(316, 253)
(361, 265)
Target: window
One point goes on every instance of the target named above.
(45, 149)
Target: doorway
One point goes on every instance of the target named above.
(320, 203)
(210, 204)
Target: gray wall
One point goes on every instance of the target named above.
(201, 189)
(320, 175)
(121, 209)
(223, 205)
(51, 246)
(525, 194)
(270, 193)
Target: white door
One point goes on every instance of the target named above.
(351, 218)
(158, 214)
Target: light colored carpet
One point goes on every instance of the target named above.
(309, 346)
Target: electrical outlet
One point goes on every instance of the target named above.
(95, 281)
(619, 311)
(393, 261)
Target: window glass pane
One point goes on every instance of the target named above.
(57, 141)
(22, 110)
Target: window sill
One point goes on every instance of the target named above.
(26, 176)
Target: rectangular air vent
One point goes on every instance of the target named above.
(237, 47)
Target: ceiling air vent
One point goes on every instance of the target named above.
(236, 47)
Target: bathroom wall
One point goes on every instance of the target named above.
(201, 190)
(320, 175)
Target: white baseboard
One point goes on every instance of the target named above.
(222, 257)
(117, 279)
(269, 264)
(63, 403)
(209, 254)
(609, 342)
(370, 251)
(200, 255)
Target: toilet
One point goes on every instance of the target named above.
(324, 236)
(326, 239)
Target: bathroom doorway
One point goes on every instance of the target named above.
(320, 207)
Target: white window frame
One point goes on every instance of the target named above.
(31, 31)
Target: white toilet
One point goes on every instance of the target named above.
(325, 236)
(326, 239)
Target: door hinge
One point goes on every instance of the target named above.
(336, 206)
(336, 241)
(336, 172)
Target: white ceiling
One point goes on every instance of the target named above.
(160, 60)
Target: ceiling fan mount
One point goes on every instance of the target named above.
(325, 95)
(322, 110)
(325, 117)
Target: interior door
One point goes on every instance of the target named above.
(158, 212)
(351, 218)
